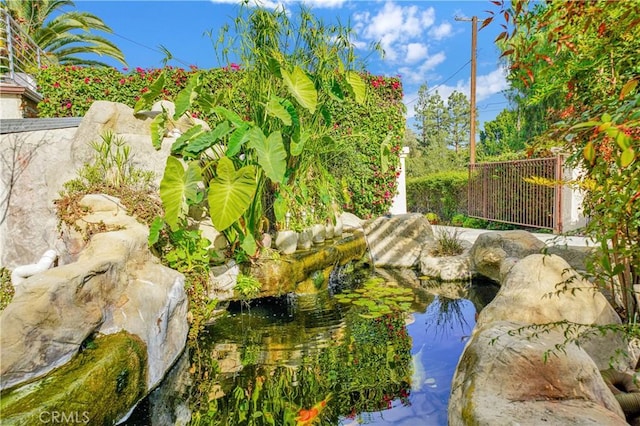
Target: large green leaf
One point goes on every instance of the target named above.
(357, 86)
(280, 208)
(176, 187)
(208, 139)
(185, 98)
(272, 155)
(301, 87)
(147, 98)
(158, 127)
(234, 118)
(237, 139)
(230, 193)
(276, 109)
(184, 139)
(297, 146)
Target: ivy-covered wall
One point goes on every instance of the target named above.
(366, 187)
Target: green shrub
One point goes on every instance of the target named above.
(474, 223)
(458, 219)
(432, 218)
(444, 194)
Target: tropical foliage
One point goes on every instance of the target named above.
(363, 186)
(502, 136)
(578, 63)
(69, 38)
(259, 161)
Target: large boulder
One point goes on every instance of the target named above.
(98, 386)
(543, 289)
(115, 285)
(504, 378)
(530, 360)
(447, 268)
(398, 241)
(39, 163)
(494, 253)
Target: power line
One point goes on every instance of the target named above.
(440, 84)
(151, 48)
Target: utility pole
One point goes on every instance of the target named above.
(472, 109)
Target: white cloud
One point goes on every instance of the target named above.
(416, 52)
(418, 74)
(492, 83)
(441, 31)
(395, 27)
(486, 85)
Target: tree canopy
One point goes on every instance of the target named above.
(68, 37)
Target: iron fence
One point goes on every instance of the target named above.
(20, 56)
(500, 192)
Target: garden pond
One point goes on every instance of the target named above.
(372, 348)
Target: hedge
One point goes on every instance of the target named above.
(443, 193)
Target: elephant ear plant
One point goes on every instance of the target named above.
(264, 137)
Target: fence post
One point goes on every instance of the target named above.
(557, 220)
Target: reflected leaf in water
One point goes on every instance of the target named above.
(443, 314)
(363, 371)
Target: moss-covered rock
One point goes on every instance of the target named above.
(280, 276)
(98, 386)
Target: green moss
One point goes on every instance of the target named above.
(6, 288)
(98, 386)
(280, 276)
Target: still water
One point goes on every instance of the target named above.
(311, 359)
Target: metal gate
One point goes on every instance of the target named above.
(498, 192)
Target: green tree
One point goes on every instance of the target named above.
(501, 135)
(459, 127)
(579, 60)
(432, 118)
(65, 36)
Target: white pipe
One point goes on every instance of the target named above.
(21, 273)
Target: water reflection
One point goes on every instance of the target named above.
(311, 360)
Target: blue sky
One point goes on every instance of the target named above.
(423, 42)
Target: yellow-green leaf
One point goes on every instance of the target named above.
(158, 127)
(627, 157)
(272, 155)
(357, 86)
(301, 87)
(623, 140)
(178, 186)
(230, 193)
(589, 153)
(629, 87)
(276, 109)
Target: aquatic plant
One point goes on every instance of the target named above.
(377, 299)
